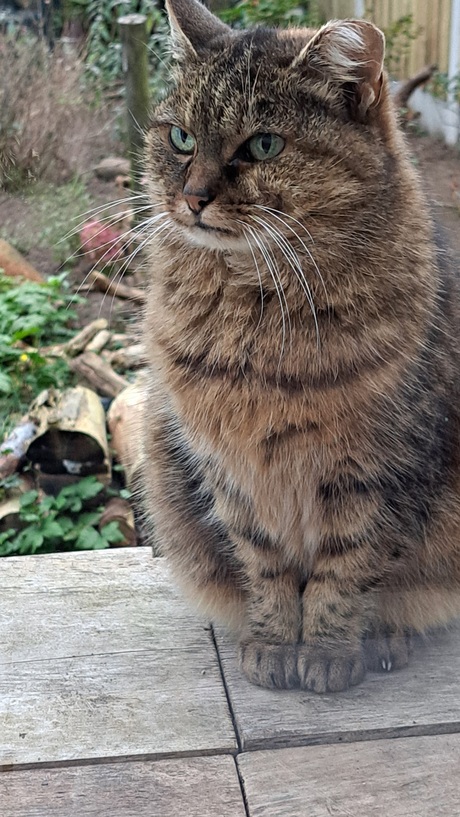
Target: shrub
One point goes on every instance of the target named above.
(48, 117)
(37, 314)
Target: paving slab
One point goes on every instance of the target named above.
(102, 659)
(408, 777)
(423, 698)
(192, 787)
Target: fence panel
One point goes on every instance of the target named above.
(430, 27)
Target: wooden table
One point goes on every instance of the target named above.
(117, 701)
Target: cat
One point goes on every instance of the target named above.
(301, 437)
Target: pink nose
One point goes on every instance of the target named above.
(197, 199)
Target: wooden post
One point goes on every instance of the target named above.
(134, 43)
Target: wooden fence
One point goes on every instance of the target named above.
(430, 29)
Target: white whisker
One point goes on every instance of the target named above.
(277, 214)
(244, 226)
(271, 266)
(293, 261)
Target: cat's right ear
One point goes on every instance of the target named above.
(348, 52)
(193, 27)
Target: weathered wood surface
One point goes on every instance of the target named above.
(192, 787)
(58, 606)
(411, 777)
(101, 659)
(424, 698)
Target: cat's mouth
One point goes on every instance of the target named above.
(211, 236)
(211, 229)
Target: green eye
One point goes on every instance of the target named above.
(181, 140)
(265, 146)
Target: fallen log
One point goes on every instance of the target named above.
(119, 510)
(98, 374)
(79, 342)
(130, 357)
(125, 419)
(13, 449)
(99, 341)
(102, 283)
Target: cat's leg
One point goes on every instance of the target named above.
(268, 645)
(180, 509)
(335, 609)
(387, 647)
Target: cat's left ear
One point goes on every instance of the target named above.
(350, 52)
(193, 27)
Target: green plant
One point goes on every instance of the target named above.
(65, 522)
(49, 116)
(103, 57)
(247, 13)
(442, 86)
(31, 316)
(399, 36)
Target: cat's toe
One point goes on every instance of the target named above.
(321, 670)
(269, 665)
(386, 650)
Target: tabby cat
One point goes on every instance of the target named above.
(302, 432)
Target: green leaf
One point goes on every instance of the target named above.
(52, 529)
(6, 385)
(29, 498)
(112, 533)
(90, 539)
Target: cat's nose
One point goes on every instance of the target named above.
(197, 199)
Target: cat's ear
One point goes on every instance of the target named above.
(351, 52)
(192, 27)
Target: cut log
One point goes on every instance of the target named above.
(131, 357)
(99, 341)
(14, 265)
(98, 374)
(125, 419)
(71, 440)
(102, 283)
(81, 340)
(13, 449)
(119, 510)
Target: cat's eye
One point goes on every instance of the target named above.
(265, 146)
(181, 140)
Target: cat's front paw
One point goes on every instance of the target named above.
(329, 670)
(386, 650)
(269, 665)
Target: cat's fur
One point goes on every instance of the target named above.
(302, 433)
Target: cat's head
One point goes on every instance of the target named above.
(267, 124)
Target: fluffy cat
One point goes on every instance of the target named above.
(302, 431)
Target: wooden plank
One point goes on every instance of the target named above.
(140, 704)
(104, 660)
(196, 787)
(411, 777)
(420, 699)
(109, 601)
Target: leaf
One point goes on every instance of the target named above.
(52, 530)
(5, 383)
(29, 498)
(90, 539)
(112, 533)
(29, 541)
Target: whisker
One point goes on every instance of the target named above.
(276, 214)
(295, 265)
(119, 275)
(95, 210)
(264, 249)
(244, 226)
(130, 234)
